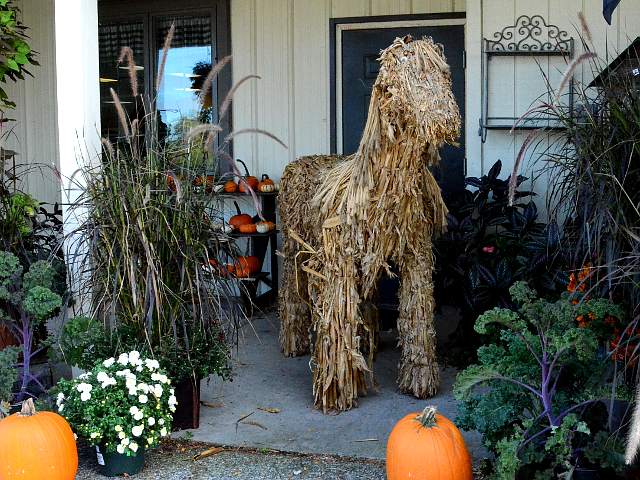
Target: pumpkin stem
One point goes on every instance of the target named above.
(246, 170)
(237, 207)
(28, 408)
(428, 416)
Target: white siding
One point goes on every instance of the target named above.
(34, 134)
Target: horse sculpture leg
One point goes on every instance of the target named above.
(340, 367)
(418, 373)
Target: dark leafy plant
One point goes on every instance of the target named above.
(543, 381)
(490, 245)
(26, 301)
(8, 376)
(15, 53)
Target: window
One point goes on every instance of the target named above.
(201, 37)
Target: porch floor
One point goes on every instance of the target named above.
(264, 378)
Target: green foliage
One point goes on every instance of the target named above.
(8, 376)
(15, 53)
(489, 245)
(542, 381)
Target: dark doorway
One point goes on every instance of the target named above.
(360, 49)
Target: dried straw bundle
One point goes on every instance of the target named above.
(382, 203)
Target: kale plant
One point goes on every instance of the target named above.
(543, 381)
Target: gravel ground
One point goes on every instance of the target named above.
(174, 461)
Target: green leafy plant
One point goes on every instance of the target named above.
(8, 376)
(124, 403)
(26, 301)
(544, 378)
(489, 245)
(15, 53)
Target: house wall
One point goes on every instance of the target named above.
(34, 134)
(286, 43)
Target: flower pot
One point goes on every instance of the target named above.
(586, 473)
(114, 463)
(187, 414)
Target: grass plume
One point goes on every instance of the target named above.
(165, 52)
(127, 54)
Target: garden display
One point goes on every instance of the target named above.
(427, 445)
(37, 446)
(122, 406)
(380, 204)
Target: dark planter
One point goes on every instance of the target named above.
(586, 473)
(114, 463)
(187, 414)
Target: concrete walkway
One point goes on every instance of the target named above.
(263, 378)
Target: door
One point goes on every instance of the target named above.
(360, 50)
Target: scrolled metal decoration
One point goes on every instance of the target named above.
(530, 37)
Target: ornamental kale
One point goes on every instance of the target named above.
(544, 381)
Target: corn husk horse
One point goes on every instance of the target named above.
(345, 218)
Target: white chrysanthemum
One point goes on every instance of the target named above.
(171, 391)
(157, 390)
(144, 387)
(133, 446)
(123, 373)
(133, 410)
(163, 379)
(151, 421)
(155, 377)
(172, 408)
(130, 383)
(84, 396)
(143, 399)
(137, 430)
(161, 421)
(61, 407)
(172, 400)
(94, 434)
(121, 435)
(123, 359)
(108, 362)
(118, 428)
(84, 387)
(60, 396)
(134, 356)
(163, 432)
(139, 368)
(124, 441)
(151, 364)
(120, 448)
(139, 415)
(133, 391)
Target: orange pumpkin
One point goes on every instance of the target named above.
(240, 218)
(207, 182)
(252, 264)
(266, 185)
(37, 445)
(230, 186)
(247, 228)
(251, 181)
(427, 445)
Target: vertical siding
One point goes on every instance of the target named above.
(287, 45)
(34, 133)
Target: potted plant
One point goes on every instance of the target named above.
(545, 379)
(123, 406)
(26, 301)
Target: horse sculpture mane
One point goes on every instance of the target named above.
(353, 215)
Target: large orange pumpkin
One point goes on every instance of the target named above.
(240, 218)
(252, 264)
(37, 446)
(427, 445)
(251, 180)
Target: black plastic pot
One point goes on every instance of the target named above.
(585, 473)
(114, 463)
(187, 414)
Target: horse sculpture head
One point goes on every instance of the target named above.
(413, 93)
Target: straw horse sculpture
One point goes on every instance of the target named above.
(353, 215)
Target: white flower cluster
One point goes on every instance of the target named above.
(148, 400)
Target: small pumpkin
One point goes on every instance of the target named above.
(248, 228)
(427, 445)
(240, 218)
(251, 181)
(252, 264)
(207, 181)
(269, 226)
(266, 188)
(262, 227)
(230, 186)
(37, 445)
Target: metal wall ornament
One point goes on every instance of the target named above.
(529, 36)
